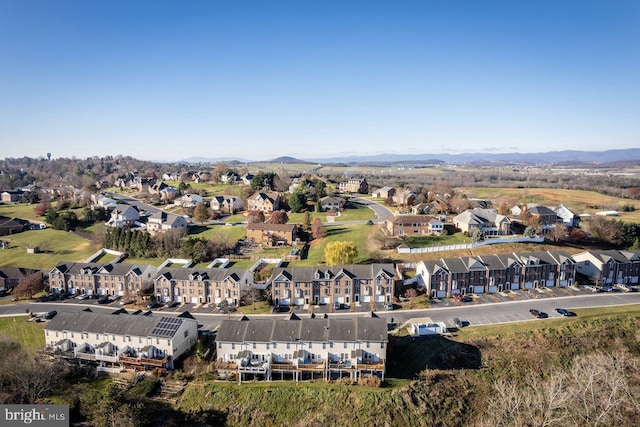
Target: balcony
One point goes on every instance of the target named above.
(311, 366)
(144, 361)
(226, 366)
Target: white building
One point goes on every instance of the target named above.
(121, 340)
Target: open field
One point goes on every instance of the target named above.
(20, 210)
(56, 246)
(581, 202)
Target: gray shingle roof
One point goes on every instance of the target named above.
(308, 329)
(121, 324)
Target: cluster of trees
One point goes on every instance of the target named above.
(202, 250)
(599, 389)
(134, 242)
(24, 377)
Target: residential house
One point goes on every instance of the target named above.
(246, 178)
(346, 284)
(272, 234)
(121, 340)
(412, 225)
(488, 220)
(384, 193)
(189, 200)
(360, 186)
(103, 201)
(301, 349)
(546, 218)
(10, 226)
(11, 196)
(309, 186)
(124, 216)
(264, 201)
(569, 219)
(230, 177)
(332, 203)
(227, 204)
(496, 273)
(11, 276)
(142, 184)
(202, 285)
(161, 222)
(609, 267)
(425, 208)
(404, 198)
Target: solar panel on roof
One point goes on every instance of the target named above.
(166, 327)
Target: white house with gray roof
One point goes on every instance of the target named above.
(299, 349)
(121, 340)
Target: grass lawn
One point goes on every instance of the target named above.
(20, 210)
(56, 246)
(425, 241)
(358, 234)
(261, 307)
(210, 231)
(28, 334)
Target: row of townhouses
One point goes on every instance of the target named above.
(121, 340)
(502, 272)
(357, 283)
(289, 286)
(496, 273)
(351, 284)
(299, 349)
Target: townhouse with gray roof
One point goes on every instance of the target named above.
(94, 278)
(302, 349)
(120, 340)
(610, 267)
(496, 273)
(346, 284)
(202, 285)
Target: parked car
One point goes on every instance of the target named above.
(127, 301)
(606, 288)
(50, 314)
(340, 306)
(457, 322)
(623, 287)
(565, 312)
(104, 300)
(388, 306)
(538, 314)
(591, 288)
(461, 298)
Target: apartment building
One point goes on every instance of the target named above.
(93, 278)
(610, 267)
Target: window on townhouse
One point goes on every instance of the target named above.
(233, 346)
(254, 346)
(337, 290)
(345, 344)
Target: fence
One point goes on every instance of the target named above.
(405, 250)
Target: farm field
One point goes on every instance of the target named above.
(580, 201)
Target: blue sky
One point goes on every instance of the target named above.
(168, 80)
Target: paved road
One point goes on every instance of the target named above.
(139, 204)
(382, 212)
(472, 314)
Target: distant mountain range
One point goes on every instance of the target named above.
(566, 158)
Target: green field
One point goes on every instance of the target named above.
(20, 210)
(357, 234)
(55, 246)
(29, 335)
